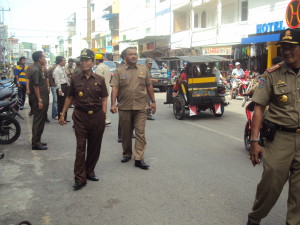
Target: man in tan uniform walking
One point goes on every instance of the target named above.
(131, 84)
(279, 88)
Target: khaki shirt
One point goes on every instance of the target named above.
(132, 83)
(103, 70)
(279, 88)
(87, 93)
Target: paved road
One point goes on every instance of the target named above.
(200, 175)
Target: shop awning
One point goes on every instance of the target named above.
(260, 38)
(110, 15)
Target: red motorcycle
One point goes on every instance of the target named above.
(241, 86)
(247, 131)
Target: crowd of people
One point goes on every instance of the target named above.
(132, 95)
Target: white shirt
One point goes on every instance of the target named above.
(103, 70)
(60, 76)
(238, 72)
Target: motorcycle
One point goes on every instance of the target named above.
(10, 128)
(247, 130)
(240, 87)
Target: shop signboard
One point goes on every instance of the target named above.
(217, 51)
(269, 27)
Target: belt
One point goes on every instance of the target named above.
(90, 112)
(291, 130)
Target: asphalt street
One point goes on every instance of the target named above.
(199, 174)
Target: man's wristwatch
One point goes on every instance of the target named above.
(253, 141)
(62, 114)
(40, 100)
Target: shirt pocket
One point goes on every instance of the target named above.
(96, 90)
(283, 95)
(124, 81)
(142, 80)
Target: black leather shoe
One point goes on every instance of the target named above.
(41, 147)
(68, 121)
(78, 186)
(93, 178)
(133, 135)
(119, 140)
(141, 164)
(250, 223)
(125, 159)
(44, 143)
(47, 120)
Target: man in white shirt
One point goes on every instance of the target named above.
(103, 71)
(238, 72)
(62, 83)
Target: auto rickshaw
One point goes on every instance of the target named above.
(201, 91)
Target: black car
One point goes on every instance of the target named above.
(159, 79)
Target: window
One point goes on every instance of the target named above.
(196, 22)
(203, 19)
(244, 16)
(147, 3)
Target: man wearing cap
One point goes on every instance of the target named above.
(88, 93)
(20, 75)
(103, 70)
(131, 84)
(237, 73)
(279, 88)
(148, 64)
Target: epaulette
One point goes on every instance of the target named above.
(273, 68)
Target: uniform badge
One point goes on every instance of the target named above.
(280, 84)
(141, 73)
(283, 98)
(80, 93)
(262, 83)
(96, 84)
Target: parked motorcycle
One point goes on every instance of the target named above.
(10, 128)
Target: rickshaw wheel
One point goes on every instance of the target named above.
(179, 107)
(222, 111)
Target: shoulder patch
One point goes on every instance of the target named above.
(273, 68)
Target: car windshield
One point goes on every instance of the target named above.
(154, 64)
(110, 64)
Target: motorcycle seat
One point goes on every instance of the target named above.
(4, 103)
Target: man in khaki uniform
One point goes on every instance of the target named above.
(131, 84)
(279, 88)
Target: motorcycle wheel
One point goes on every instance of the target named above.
(247, 134)
(10, 130)
(179, 107)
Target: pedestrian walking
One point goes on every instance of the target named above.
(279, 88)
(70, 69)
(53, 88)
(39, 96)
(148, 64)
(20, 76)
(62, 83)
(103, 70)
(131, 84)
(88, 93)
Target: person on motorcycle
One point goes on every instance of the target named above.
(237, 73)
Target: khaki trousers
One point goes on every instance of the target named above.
(281, 161)
(137, 118)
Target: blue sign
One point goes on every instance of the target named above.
(109, 49)
(269, 27)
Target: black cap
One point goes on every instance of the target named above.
(87, 53)
(290, 36)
